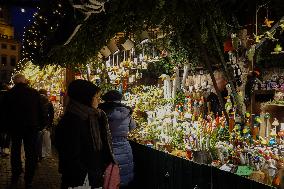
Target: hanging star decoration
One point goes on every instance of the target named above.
(257, 37)
(268, 22)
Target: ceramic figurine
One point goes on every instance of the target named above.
(268, 85)
(263, 86)
(228, 105)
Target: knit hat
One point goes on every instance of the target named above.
(112, 95)
(82, 91)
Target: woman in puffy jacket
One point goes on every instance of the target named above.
(120, 123)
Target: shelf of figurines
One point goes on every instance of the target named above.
(184, 130)
(213, 142)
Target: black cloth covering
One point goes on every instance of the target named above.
(158, 170)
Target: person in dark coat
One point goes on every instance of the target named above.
(120, 123)
(215, 105)
(82, 137)
(25, 118)
(5, 138)
(49, 110)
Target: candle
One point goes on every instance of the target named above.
(185, 74)
(176, 82)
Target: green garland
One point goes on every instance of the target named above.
(127, 16)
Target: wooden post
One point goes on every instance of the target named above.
(70, 76)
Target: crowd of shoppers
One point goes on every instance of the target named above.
(89, 137)
(23, 117)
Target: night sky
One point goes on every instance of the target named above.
(21, 19)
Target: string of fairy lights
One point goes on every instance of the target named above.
(45, 23)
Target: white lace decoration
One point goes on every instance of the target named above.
(89, 8)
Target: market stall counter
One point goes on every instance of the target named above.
(155, 169)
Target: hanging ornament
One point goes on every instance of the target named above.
(257, 38)
(270, 35)
(282, 25)
(243, 35)
(250, 53)
(228, 46)
(277, 49)
(144, 65)
(268, 22)
(235, 41)
(164, 53)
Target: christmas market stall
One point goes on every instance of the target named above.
(209, 113)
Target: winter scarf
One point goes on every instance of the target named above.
(91, 114)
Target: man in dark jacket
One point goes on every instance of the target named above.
(215, 105)
(48, 108)
(25, 117)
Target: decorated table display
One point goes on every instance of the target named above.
(183, 127)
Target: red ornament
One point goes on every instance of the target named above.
(228, 46)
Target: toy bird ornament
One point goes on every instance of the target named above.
(257, 37)
(270, 35)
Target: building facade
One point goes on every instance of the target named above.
(9, 47)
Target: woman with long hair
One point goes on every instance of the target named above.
(83, 138)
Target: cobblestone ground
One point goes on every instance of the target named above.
(46, 176)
